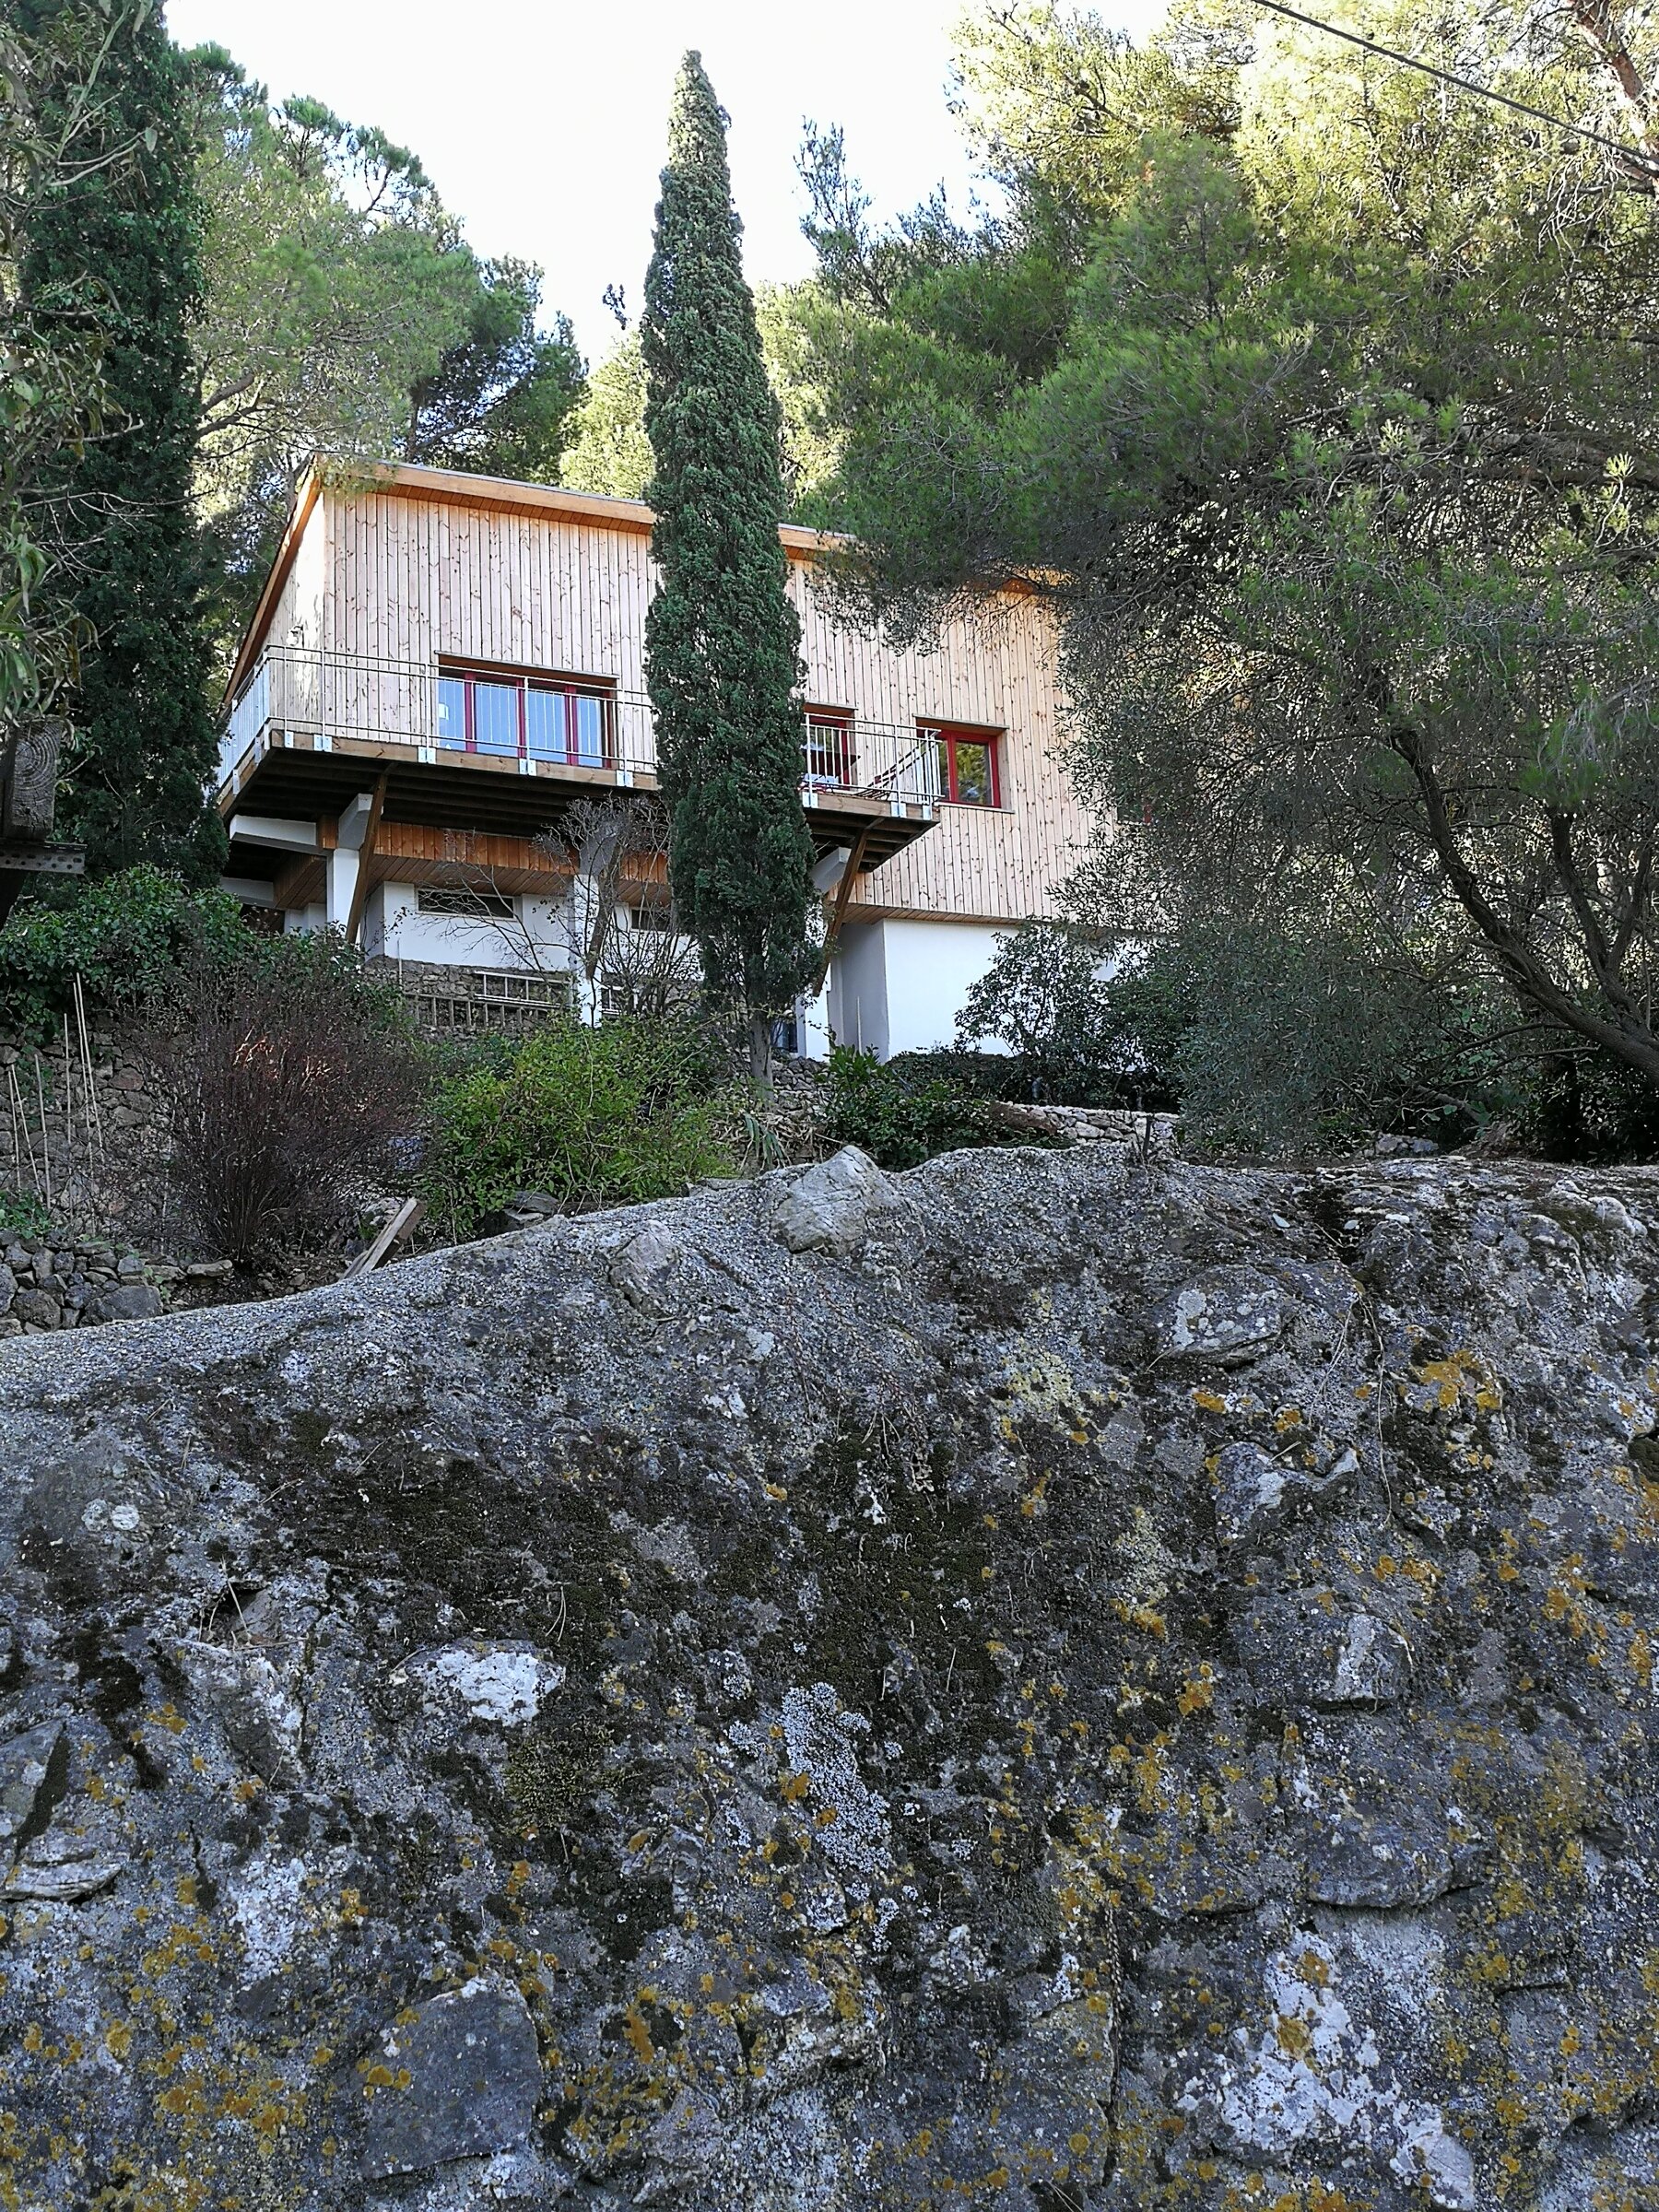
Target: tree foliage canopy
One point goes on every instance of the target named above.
(52, 389)
(1320, 400)
(346, 316)
(609, 451)
(109, 271)
(721, 638)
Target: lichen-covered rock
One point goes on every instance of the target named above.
(1106, 1687)
(832, 1206)
(461, 2076)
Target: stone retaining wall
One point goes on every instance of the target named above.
(61, 1283)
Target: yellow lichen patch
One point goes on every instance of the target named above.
(1200, 1692)
(639, 2036)
(118, 2039)
(1462, 1374)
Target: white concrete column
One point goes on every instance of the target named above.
(346, 859)
(812, 1025)
(340, 877)
(586, 998)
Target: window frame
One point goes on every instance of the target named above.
(571, 690)
(490, 906)
(844, 722)
(947, 736)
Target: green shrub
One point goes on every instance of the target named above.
(22, 1214)
(1588, 1108)
(976, 1074)
(606, 1116)
(899, 1120)
(1049, 997)
(1278, 1038)
(128, 937)
(1268, 1036)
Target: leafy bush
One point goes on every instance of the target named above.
(1048, 997)
(22, 1214)
(291, 1082)
(1268, 1037)
(977, 1075)
(606, 1116)
(1586, 1107)
(128, 937)
(899, 1120)
(1280, 1039)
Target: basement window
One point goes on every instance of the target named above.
(471, 906)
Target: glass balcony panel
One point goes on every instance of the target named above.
(544, 724)
(452, 712)
(590, 729)
(496, 718)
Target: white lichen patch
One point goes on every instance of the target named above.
(505, 1683)
(1316, 2081)
(266, 1905)
(820, 1737)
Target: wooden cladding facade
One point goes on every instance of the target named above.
(421, 564)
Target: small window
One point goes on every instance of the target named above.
(458, 899)
(967, 767)
(828, 749)
(658, 918)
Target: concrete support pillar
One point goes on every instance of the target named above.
(345, 862)
(585, 996)
(340, 880)
(812, 1025)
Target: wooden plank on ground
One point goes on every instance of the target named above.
(402, 1226)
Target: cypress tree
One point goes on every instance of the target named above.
(721, 641)
(111, 252)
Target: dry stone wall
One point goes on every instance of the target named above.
(1060, 1682)
(91, 1156)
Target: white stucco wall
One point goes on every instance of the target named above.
(394, 928)
(898, 986)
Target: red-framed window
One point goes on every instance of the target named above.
(524, 714)
(828, 749)
(969, 771)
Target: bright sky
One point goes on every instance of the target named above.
(542, 123)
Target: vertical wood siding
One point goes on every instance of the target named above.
(408, 578)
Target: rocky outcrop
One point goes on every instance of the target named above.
(1059, 1680)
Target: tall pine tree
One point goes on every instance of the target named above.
(722, 640)
(111, 253)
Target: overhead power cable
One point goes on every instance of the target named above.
(1631, 156)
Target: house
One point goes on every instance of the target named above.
(444, 669)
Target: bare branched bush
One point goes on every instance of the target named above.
(626, 937)
(291, 1085)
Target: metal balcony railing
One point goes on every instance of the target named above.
(325, 698)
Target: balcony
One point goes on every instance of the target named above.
(502, 752)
